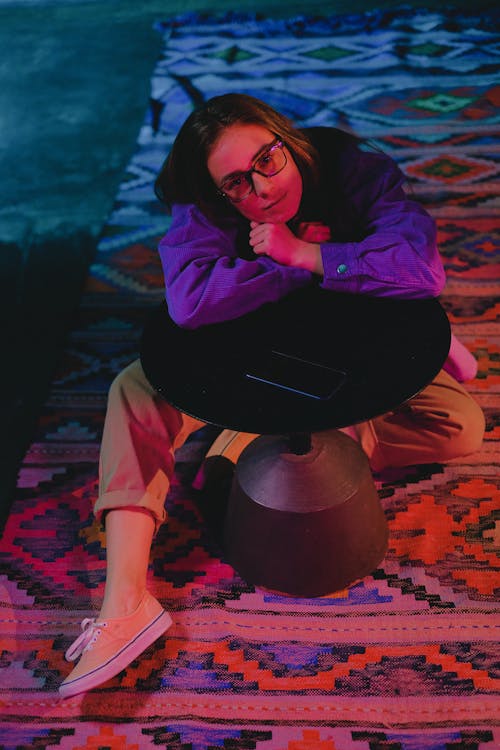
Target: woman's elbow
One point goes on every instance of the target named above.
(189, 322)
(432, 276)
(436, 283)
(422, 285)
(183, 314)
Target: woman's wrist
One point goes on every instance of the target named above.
(309, 257)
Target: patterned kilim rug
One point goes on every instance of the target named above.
(406, 659)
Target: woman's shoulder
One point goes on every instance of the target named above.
(185, 213)
(329, 140)
(190, 224)
(345, 157)
(335, 142)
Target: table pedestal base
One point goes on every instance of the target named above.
(304, 524)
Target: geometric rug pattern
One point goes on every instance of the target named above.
(408, 658)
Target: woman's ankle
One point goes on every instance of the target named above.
(120, 603)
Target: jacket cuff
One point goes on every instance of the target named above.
(340, 266)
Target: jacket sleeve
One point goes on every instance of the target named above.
(397, 255)
(205, 280)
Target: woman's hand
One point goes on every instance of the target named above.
(278, 242)
(314, 231)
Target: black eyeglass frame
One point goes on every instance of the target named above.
(247, 176)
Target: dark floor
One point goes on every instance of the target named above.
(73, 92)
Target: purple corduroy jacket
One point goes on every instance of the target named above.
(394, 254)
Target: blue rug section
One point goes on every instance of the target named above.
(405, 79)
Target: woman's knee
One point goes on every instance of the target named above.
(468, 429)
(451, 415)
(128, 381)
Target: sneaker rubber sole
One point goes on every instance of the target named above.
(120, 660)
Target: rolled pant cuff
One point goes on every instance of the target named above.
(131, 499)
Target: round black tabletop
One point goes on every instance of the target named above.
(315, 360)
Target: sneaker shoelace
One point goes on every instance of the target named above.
(84, 642)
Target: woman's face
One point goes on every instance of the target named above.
(274, 199)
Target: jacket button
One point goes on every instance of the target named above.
(342, 268)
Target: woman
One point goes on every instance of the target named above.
(259, 209)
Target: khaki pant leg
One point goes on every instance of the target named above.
(229, 445)
(440, 423)
(141, 433)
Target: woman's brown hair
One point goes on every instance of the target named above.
(184, 176)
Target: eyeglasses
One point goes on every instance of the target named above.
(239, 186)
